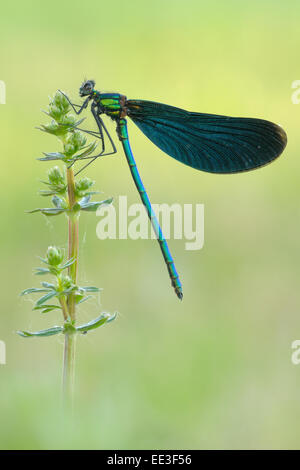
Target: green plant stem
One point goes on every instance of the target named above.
(73, 239)
(73, 243)
(64, 308)
(69, 370)
(73, 248)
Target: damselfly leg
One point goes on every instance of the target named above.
(101, 127)
(99, 135)
(80, 106)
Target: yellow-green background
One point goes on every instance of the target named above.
(215, 370)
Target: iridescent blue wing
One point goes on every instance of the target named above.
(208, 142)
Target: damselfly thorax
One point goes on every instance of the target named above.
(111, 104)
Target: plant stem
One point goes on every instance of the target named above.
(69, 370)
(73, 253)
(73, 243)
(73, 239)
(64, 308)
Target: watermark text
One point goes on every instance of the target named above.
(296, 94)
(2, 353)
(178, 221)
(295, 358)
(2, 92)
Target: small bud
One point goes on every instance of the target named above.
(69, 150)
(68, 120)
(54, 255)
(55, 176)
(75, 141)
(55, 112)
(79, 140)
(83, 185)
(57, 98)
(61, 102)
(52, 127)
(66, 282)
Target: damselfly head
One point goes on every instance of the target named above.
(87, 88)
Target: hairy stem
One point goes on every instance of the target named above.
(69, 370)
(73, 243)
(64, 307)
(73, 239)
(73, 253)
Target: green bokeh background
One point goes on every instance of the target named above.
(214, 371)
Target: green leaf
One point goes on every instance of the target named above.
(33, 290)
(91, 193)
(77, 123)
(53, 189)
(67, 263)
(47, 308)
(48, 211)
(91, 289)
(52, 211)
(48, 159)
(112, 317)
(93, 206)
(49, 285)
(46, 297)
(49, 332)
(58, 202)
(52, 156)
(89, 149)
(58, 128)
(84, 299)
(93, 324)
(41, 271)
(69, 290)
(85, 199)
(45, 192)
(80, 121)
(53, 128)
(68, 125)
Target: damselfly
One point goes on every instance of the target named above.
(207, 142)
